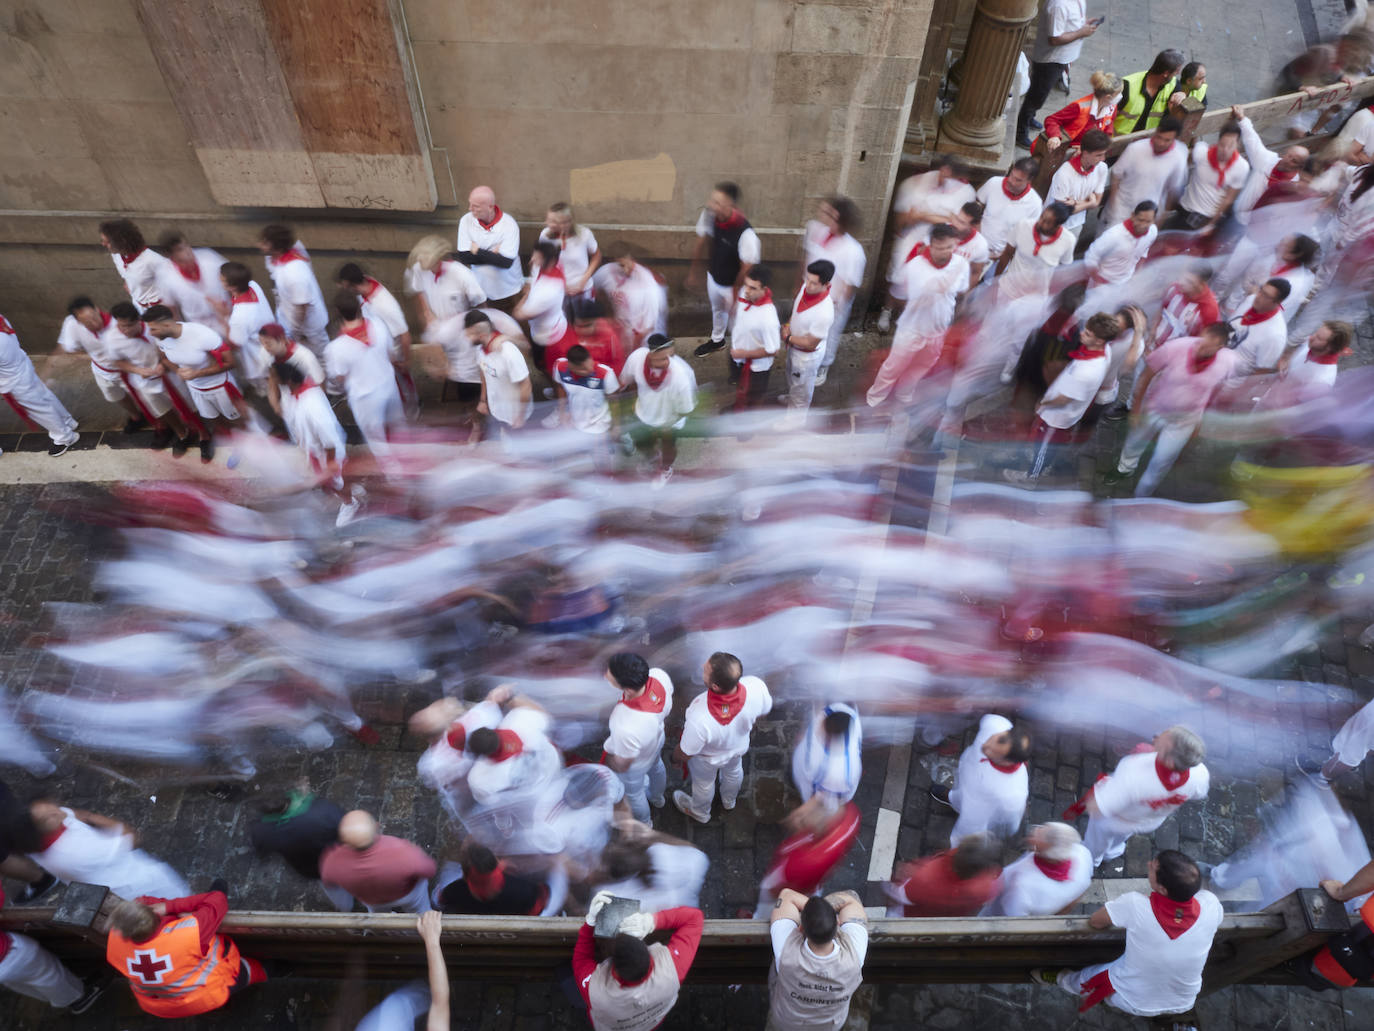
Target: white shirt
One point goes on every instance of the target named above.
(1058, 18)
(671, 401)
(637, 299)
(503, 370)
(502, 237)
(704, 737)
(1116, 358)
(1262, 161)
(1029, 272)
(815, 321)
(294, 281)
(1079, 381)
(829, 767)
(449, 289)
(1113, 256)
(15, 365)
(1027, 891)
(842, 251)
(1259, 346)
(1157, 974)
(1303, 371)
(974, 250)
(575, 252)
(925, 192)
(1203, 195)
(380, 304)
(756, 325)
(139, 350)
(987, 798)
(458, 349)
(1141, 174)
(247, 315)
(780, 930)
(445, 763)
(677, 874)
(192, 350)
(193, 297)
(142, 277)
(931, 292)
(537, 762)
(363, 366)
(1133, 794)
(1002, 214)
(1072, 187)
(543, 309)
(74, 337)
(636, 728)
(587, 405)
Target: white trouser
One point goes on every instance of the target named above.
(399, 1010)
(1106, 838)
(642, 782)
(41, 405)
(1174, 433)
(32, 970)
(802, 367)
(704, 783)
(374, 413)
(721, 299)
(911, 357)
(1072, 982)
(832, 342)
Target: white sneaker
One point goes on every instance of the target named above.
(821, 376)
(1017, 476)
(683, 801)
(348, 511)
(884, 321)
(729, 807)
(661, 480)
(1007, 376)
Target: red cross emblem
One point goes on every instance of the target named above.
(148, 966)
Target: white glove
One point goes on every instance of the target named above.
(598, 902)
(638, 925)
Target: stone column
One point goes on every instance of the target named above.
(988, 63)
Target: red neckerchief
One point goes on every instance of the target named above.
(1171, 779)
(830, 237)
(303, 386)
(630, 984)
(486, 885)
(1174, 917)
(651, 699)
(247, 297)
(555, 272)
(1220, 170)
(1081, 353)
(509, 748)
(193, 276)
(1009, 194)
(1035, 235)
(1251, 318)
(1130, 228)
(1094, 990)
(1278, 180)
(655, 378)
(973, 231)
(1002, 767)
(736, 218)
(920, 248)
(807, 300)
(358, 332)
(457, 735)
(291, 255)
(1323, 359)
(1077, 163)
(129, 258)
(1281, 271)
(725, 707)
(1196, 365)
(496, 217)
(50, 839)
(767, 298)
(1054, 869)
(372, 287)
(290, 347)
(105, 319)
(1278, 190)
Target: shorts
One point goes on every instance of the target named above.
(111, 384)
(153, 394)
(216, 402)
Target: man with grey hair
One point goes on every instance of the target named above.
(1050, 878)
(1138, 796)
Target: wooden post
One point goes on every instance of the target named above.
(1310, 917)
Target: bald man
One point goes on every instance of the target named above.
(489, 244)
(383, 873)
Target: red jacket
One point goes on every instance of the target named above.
(685, 923)
(1073, 121)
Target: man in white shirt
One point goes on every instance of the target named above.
(755, 337)
(506, 397)
(1155, 168)
(829, 237)
(634, 746)
(1081, 181)
(933, 281)
(715, 735)
(189, 282)
(300, 305)
(29, 396)
(827, 762)
(806, 333)
(578, 254)
(380, 304)
(726, 248)
(970, 244)
(135, 354)
(445, 764)
(1142, 791)
(489, 245)
(991, 784)
(1059, 34)
(1219, 174)
(83, 330)
(665, 394)
(922, 201)
(1035, 250)
(137, 264)
(249, 311)
(202, 359)
(819, 945)
(1270, 172)
(1112, 259)
(1168, 938)
(358, 361)
(542, 308)
(1311, 368)
(513, 762)
(1008, 200)
(1260, 331)
(638, 298)
(1048, 879)
(582, 386)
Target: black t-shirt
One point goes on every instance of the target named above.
(301, 839)
(519, 896)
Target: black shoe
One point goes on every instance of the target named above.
(1035, 123)
(219, 884)
(88, 997)
(710, 347)
(161, 439)
(1023, 142)
(36, 890)
(180, 446)
(1115, 476)
(58, 449)
(207, 449)
(134, 425)
(1116, 412)
(940, 792)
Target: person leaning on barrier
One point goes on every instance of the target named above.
(954, 882)
(399, 1010)
(635, 987)
(819, 946)
(1346, 960)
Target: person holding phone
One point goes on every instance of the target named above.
(1059, 36)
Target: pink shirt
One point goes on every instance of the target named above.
(377, 875)
(1176, 390)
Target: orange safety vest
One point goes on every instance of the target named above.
(169, 974)
(1351, 946)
